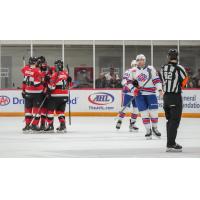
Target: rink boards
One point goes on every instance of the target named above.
(94, 102)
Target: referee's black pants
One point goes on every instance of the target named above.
(173, 109)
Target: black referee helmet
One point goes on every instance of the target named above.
(172, 54)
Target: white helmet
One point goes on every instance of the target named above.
(141, 57)
(133, 63)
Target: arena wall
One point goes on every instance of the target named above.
(98, 102)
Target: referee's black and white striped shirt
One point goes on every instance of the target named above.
(172, 76)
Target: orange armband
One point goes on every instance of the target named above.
(184, 82)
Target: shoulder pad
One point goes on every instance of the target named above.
(150, 67)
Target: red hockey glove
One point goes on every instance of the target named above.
(136, 91)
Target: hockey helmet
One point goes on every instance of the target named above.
(140, 57)
(59, 65)
(172, 54)
(32, 61)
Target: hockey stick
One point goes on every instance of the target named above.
(69, 98)
(38, 110)
(24, 61)
(150, 76)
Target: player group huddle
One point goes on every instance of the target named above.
(45, 91)
(140, 83)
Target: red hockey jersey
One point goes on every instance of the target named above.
(46, 74)
(58, 84)
(32, 82)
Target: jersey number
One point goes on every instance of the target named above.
(168, 75)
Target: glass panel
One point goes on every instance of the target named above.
(190, 59)
(133, 48)
(80, 61)
(50, 52)
(109, 66)
(160, 50)
(13, 58)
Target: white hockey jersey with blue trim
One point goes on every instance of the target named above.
(141, 74)
(127, 82)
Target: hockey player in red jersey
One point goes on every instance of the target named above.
(46, 73)
(58, 97)
(32, 89)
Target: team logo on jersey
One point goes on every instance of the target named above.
(101, 98)
(142, 78)
(4, 100)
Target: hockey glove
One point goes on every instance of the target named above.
(126, 89)
(23, 94)
(47, 79)
(135, 83)
(69, 80)
(136, 92)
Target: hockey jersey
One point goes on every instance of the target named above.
(45, 71)
(142, 75)
(32, 82)
(58, 84)
(127, 82)
(46, 75)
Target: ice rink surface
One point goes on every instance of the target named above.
(95, 137)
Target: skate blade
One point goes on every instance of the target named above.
(42, 131)
(35, 132)
(133, 130)
(159, 137)
(148, 137)
(25, 132)
(48, 132)
(64, 131)
(173, 150)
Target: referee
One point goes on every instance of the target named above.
(174, 78)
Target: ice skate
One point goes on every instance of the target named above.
(42, 127)
(174, 148)
(149, 134)
(49, 129)
(26, 129)
(119, 123)
(156, 132)
(133, 127)
(34, 129)
(62, 128)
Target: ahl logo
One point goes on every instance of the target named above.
(101, 98)
(4, 100)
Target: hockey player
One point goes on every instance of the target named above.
(58, 97)
(127, 95)
(32, 89)
(45, 70)
(146, 100)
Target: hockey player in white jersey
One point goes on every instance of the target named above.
(146, 100)
(128, 100)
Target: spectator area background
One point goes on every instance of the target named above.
(91, 60)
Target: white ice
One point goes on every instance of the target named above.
(95, 137)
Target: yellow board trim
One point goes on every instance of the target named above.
(97, 114)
